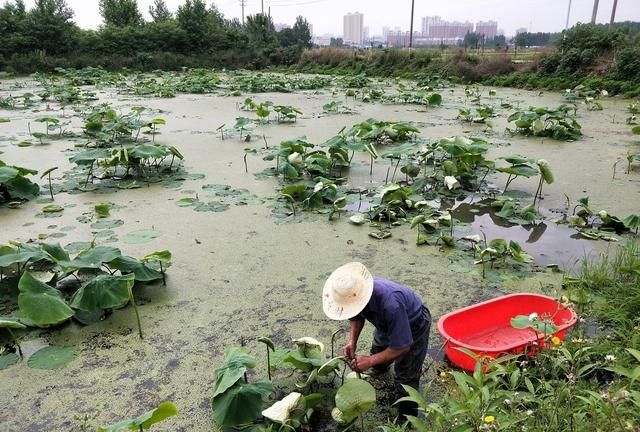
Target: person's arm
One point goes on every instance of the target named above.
(362, 363)
(354, 333)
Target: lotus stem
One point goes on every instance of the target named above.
(50, 188)
(538, 191)
(246, 168)
(164, 281)
(371, 166)
(333, 337)
(135, 309)
(393, 177)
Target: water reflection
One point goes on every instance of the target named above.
(547, 242)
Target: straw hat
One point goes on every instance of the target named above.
(347, 291)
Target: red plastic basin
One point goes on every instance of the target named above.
(485, 328)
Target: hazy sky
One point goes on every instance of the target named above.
(326, 15)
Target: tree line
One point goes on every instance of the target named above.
(46, 36)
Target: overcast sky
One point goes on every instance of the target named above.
(326, 15)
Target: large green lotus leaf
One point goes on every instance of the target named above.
(232, 369)
(21, 256)
(141, 272)
(517, 159)
(90, 156)
(40, 303)
(8, 360)
(92, 258)
(145, 151)
(141, 236)
(103, 292)
(632, 221)
(56, 252)
(241, 403)
(355, 397)
(164, 410)
(7, 173)
(22, 188)
(51, 357)
(523, 170)
(163, 256)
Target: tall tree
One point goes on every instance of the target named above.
(193, 18)
(13, 23)
(301, 32)
(120, 13)
(50, 26)
(159, 11)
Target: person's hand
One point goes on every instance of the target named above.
(361, 363)
(349, 350)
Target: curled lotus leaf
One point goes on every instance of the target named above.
(280, 412)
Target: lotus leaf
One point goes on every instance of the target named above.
(51, 357)
(40, 303)
(358, 219)
(533, 322)
(354, 398)
(145, 151)
(146, 420)
(163, 257)
(280, 411)
(234, 366)
(141, 272)
(141, 236)
(103, 292)
(241, 403)
(93, 257)
(8, 360)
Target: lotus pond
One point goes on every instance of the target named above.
(218, 203)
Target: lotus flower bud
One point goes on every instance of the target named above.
(295, 159)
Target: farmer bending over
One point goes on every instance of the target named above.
(400, 319)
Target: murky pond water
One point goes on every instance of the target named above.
(239, 274)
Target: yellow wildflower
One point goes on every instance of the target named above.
(489, 419)
(555, 340)
(443, 374)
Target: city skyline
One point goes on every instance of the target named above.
(535, 15)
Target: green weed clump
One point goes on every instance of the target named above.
(590, 381)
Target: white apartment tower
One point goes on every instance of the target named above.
(353, 28)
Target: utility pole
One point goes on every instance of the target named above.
(613, 13)
(411, 26)
(242, 3)
(595, 11)
(262, 2)
(566, 26)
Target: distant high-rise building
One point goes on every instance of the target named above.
(428, 21)
(353, 28)
(365, 34)
(487, 28)
(281, 26)
(450, 30)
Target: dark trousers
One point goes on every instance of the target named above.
(408, 368)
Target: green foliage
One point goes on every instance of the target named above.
(40, 303)
(544, 122)
(144, 421)
(52, 357)
(353, 400)
(15, 186)
(108, 279)
(120, 13)
(235, 401)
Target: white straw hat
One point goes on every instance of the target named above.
(347, 291)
